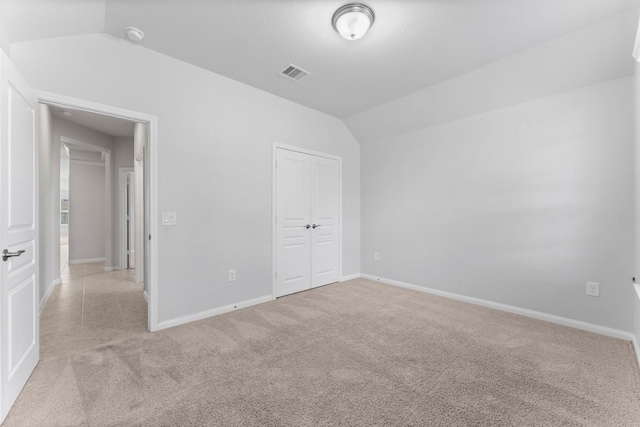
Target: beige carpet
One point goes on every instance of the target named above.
(356, 354)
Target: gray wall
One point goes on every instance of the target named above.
(123, 152)
(520, 206)
(5, 44)
(215, 139)
(512, 183)
(49, 163)
(86, 211)
(80, 133)
(636, 271)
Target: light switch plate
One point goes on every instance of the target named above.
(169, 218)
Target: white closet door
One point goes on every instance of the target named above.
(307, 221)
(325, 218)
(293, 217)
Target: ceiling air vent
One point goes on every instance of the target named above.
(294, 73)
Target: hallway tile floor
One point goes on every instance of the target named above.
(89, 308)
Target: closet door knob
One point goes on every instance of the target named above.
(307, 226)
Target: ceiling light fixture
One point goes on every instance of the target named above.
(66, 113)
(134, 33)
(353, 20)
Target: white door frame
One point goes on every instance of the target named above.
(122, 194)
(106, 155)
(278, 146)
(151, 255)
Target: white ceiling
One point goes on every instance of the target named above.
(413, 44)
(26, 20)
(108, 125)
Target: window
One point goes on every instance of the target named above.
(64, 211)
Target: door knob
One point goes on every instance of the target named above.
(6, 254)
(315, 226)
(307, 226)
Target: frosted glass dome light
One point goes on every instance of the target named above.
(353, 21)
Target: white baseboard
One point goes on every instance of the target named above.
(47, 294)
(145, 294)
(590, 327)
(85, 261)
(213, 312)
(350, 277)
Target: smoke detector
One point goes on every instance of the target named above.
(134, 33)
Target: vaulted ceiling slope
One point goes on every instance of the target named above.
(413, 44)
(28, 20)
(591, 55)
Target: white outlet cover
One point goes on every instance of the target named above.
(593, 289)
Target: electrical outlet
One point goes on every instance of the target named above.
(593, 289)
(232, 275)
(376, 256)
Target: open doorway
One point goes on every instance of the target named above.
(64, 207)
(86, 199)
(101, 225)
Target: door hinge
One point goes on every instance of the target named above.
(149, 236)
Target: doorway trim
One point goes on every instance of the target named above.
(274, 208)
(108, 179)
(151, 255)
(122, 174)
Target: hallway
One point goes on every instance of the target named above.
(89, 308)
(64, 252)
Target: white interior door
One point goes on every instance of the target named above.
(325, 219)
(307, 221)
(19, 293)
(293, 222)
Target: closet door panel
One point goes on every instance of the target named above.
(325, 217)
(293, 214)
